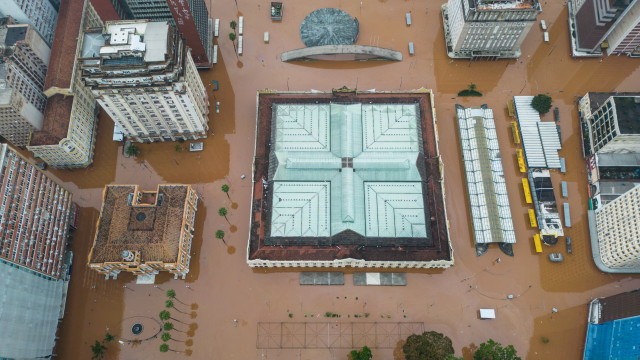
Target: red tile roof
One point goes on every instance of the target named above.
(55, 125)
(63, 50)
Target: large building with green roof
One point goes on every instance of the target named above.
(347, 179)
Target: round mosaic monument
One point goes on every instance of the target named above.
(328, 26)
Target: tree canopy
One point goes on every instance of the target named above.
(363, 354)
(492, 350)
(431, 345)
(164, 315)
(542, 103)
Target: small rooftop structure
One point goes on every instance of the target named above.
(540, 139)
(144, 232)
(347, 179)
(489, 203)
(613, 327)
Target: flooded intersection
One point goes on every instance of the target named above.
(221, 288)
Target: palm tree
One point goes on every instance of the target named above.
(233, 25)
(232, 37)
(165, 348)
(225, 189)
(171, 294)
(220, 235)
(166, 337)
(165, 315)
(133, 150)
(178, 148)
(108, 338)
(98, 350)
(169, 304)
(223, 212)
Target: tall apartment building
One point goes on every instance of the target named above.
(612, 122)
(41, 14)
(35, 216)
(487, 29)
(624, 39)
(24, 56)
(67, 138)
(142, 76)
(605, 24)
(190, 16)
(144, 232)
(618, 231)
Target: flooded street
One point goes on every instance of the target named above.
(221, 287)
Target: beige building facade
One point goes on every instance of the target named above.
(24, 56)
(142, 75)
(618, 227)
(67, 138)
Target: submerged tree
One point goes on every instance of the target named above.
(430, 345)
(492, 350)
(133, 150)
(542, 103)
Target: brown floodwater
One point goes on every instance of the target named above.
(221, 288)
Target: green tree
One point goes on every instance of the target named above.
(363, 354)
(108, 338)
(171, 294)
(233, 25)
(453, 357)
(223, 212)
(164, 348)
(98, 350)
(430, 345)
(492, 350)
(166, 337)
(169, 304)
(164, 315)
(225, 189)
(177, 147)
(542, 103)
(220, 235)
(168, 326)
(232, 37)
(133, 150)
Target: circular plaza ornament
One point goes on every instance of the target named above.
(328, 26)
(141, 216)
(137, 328)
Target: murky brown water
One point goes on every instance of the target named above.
(221, 286)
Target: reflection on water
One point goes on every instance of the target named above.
(445, 300)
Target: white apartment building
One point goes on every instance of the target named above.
(143, 76)
(487, 29)
(67, 138)
(24, 56)
(618, 229)
(40, 14)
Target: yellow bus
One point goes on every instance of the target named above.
(532, 218)
(520, 156)
(515, 132)
(536, 243)
(527, 190)
(511, 108)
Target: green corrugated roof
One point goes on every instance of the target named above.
(347, 166)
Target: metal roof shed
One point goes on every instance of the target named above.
(540, 139)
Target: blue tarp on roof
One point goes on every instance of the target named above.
(614, 340)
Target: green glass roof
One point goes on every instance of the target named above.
(347, 167)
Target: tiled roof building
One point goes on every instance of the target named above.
(35, 215)
(144, 232)
(348, 179)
